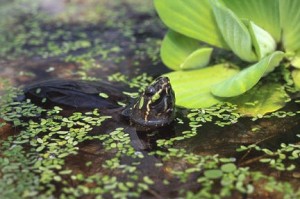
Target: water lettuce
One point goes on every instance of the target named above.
(262, 33)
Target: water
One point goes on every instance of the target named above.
(114, 159)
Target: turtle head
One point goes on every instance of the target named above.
(156, 105)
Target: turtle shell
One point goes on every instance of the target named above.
(76, 94)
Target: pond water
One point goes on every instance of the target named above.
(74, 153)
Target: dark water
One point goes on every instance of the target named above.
(208, 140)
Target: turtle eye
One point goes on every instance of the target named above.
(150, 90)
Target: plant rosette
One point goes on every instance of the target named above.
(262, 33)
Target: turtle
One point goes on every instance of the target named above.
(154, 108)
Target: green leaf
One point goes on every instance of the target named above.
(265, 160)
(296, 78)
(181, 52)
(192, 88)
(176, 48)
(197, 59)
(228, 168)
(296, 60)
(264, 13)
(234, 32)
(40, 148)
(247, 78)
(263, 42)
(289, 18)
(261, 99)
(213, 174)
(148, 180)
(192, 18)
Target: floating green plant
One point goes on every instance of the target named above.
(279, 159)
(264, 32)
(34, 161)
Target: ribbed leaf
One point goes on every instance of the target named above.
(193, 18)
(197, 59)
(296, 60)
(264, 13)
(290, 23)
(247, 78)
(234, 32)
(296, 78)
(180, 52)
(261, 99)
(263, 42)
(192, 88)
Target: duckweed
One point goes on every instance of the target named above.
(278, 159)
(221, 115)
(33, 162)
(140, 82)
(56, 137)
(104, 95)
